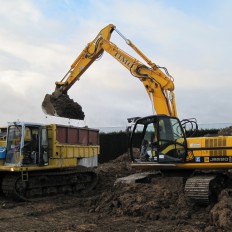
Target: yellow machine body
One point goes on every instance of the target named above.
(215, 155)
(61, 154)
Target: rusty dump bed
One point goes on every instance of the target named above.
(62, 106)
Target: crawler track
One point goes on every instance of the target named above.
(203, 189)
(42, 184)
(197, 188)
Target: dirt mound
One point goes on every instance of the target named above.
(62, 106)
(225, 131)
(152, 201)
(109, 172)
(162, 202)
(221, 213)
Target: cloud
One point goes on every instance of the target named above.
(19, 12)
(40, 40)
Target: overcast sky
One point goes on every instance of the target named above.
(39, 40)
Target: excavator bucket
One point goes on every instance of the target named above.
(62, 106)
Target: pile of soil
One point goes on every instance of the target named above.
(142, 207)
(62, 106)
(221, 213)
(160, 205)
(225, 131)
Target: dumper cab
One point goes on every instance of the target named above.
(37, 146)
(27, 144)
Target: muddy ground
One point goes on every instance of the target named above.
(140, 207)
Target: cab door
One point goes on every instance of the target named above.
(172, 141)
(44, 148)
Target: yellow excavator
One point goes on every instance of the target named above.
(204, 162)
(158, 85)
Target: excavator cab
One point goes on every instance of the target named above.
(27, 144)
(160, 139)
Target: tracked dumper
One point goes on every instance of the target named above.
(45, 160)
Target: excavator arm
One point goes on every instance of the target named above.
(159, 85)
(92, 51)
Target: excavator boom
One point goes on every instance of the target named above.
(58, 103)
(159, 85)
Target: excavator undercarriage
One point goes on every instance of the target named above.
(204, 188)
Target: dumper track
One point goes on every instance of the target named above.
(48, 183)
(203, 189)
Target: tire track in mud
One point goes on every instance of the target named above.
(43, 212)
